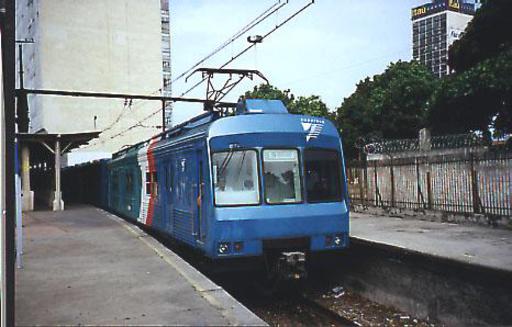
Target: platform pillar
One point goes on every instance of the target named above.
(58, 204)
(27, 193)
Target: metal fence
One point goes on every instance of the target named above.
(470, 183)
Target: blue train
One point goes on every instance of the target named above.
(259, 182)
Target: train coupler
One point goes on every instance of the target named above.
(292, 265)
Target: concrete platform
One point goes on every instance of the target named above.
(476, 245)
(84, 266)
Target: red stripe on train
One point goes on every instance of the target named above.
(152, 170)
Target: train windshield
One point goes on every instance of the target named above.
(323, 182)
(235, 178)
(282, 176)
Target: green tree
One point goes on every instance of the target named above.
(267, 91)
(390, 105)
(478, 99)
(311, 105)
(486, 36)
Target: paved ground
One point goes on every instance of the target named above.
(85, 266)
(486, 246)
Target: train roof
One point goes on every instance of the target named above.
(252, 116)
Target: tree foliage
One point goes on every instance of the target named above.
(311, 105)
(487, 35)
(390, 105)
(267, 91)
(480, 98)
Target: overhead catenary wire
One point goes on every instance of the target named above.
(275, 7)
(137, 124)
(267, 13)
(127, 105)
(252, 45)
(256, 21)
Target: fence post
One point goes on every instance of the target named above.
(365, 175)
(477, 208)
(360, 180)
(420, 199)
(392, 177)
(429, 191)
(377, 192)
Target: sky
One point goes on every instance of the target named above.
(325, 50)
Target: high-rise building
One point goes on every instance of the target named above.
(166, 58)
(114, 46)
(435, 26)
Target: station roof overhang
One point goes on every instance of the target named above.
(69, 141)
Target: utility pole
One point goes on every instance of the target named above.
(7, 213)
(22, 107)
(163, 116)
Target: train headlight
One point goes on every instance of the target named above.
(334, 240)
(223, 247)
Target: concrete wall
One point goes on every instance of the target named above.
(429, 287)
(93, 45)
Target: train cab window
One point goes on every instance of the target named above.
(282, 176)
(323, 180)
(235, 178)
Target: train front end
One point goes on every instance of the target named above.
(277, 186)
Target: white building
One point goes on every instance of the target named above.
(114, 46)
(436, 26)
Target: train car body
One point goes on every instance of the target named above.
(86, 183)
(235, 186)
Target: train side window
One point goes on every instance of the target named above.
(129, 182)
(115, 182)
(323, 175)
(154, 184)
(151, 183)
(148, 183)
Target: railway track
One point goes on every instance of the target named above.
(328, 313)
(284, 305)
(310, 302)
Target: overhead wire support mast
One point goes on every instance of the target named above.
(253, 44)
(207, 103)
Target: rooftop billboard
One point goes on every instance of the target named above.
(442, 5)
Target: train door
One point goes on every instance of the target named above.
(184, 197)
(168, 194)
(200, 196)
